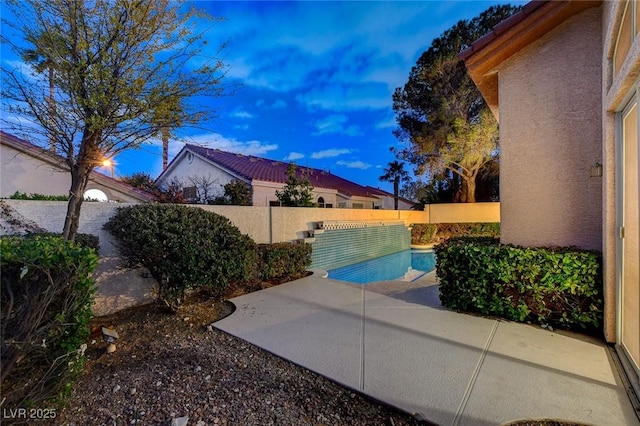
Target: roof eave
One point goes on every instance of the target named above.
(533, 21)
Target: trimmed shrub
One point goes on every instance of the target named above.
(556, 286)
(40, 197)
(47, 293)
(423, 233)
(184, 248)
(428, 233)
(83, 240)
(284, 260)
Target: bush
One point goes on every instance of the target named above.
(284, 260)
(47, 293)
(423, 233)
(24, 196)
(184, 248)
(428, 233)
(83, 240)
(555, 286)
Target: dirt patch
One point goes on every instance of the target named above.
(168, 366)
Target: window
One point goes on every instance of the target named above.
(95, 195)
(626, 34)
(342, 205)
(329, 206)
(357, 206)
(190, 193)
(274, 203)
(321, 202)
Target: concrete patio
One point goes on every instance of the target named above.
(394, 342)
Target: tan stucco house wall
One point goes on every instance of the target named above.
(564, 80)
(550, 135)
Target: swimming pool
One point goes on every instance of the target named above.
(407, 264)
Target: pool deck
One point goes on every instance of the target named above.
(393, 341)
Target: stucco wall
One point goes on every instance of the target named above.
(615, 93)
(550, 135)
(120, 287)
(24, 173)
(27, 174)
(183, 171)
(460, 213)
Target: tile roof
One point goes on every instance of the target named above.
(501, 28)
(263, 169)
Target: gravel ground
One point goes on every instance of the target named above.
(168, 367)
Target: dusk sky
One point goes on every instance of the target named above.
(317, 81)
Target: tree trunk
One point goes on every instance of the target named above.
(468, 189)
(79, 179)
(165, 147)
(51, 107)
(87, 159)
(396, 184)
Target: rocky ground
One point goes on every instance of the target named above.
(176, 369)
(168, 367)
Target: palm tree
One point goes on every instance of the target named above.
(395, 173)
(42, 60)
(168, 114)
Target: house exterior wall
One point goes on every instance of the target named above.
(265, 192)
(550, 135)
(25, 173)
(21, 172)
(191, 167)
(617, 89)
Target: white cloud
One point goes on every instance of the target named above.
(279, 104)
(328, 153)
(347, 97)
(354, 164)
(335, 124)
(216, 140)
(293, 156)
(296, 46)
(241, 114)
(389, 122)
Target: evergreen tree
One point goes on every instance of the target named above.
(441, 113)
(297, 191)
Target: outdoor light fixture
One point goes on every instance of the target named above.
(109, 336)
(596, 170)
(109, 164)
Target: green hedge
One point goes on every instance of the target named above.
(47, 293)
(555, 286)
(429, 233)
(83, 240)
(284, 260)
(40, 197)
(184, 248)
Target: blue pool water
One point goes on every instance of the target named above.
(389, 267)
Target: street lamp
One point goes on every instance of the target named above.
(110, 165)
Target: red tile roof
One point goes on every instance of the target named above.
(263, 169)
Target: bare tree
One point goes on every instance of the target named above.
(205, 188)
(123, 71)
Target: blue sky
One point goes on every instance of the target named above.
(317, 81)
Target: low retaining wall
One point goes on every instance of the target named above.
(263, 224)
(463, 213)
